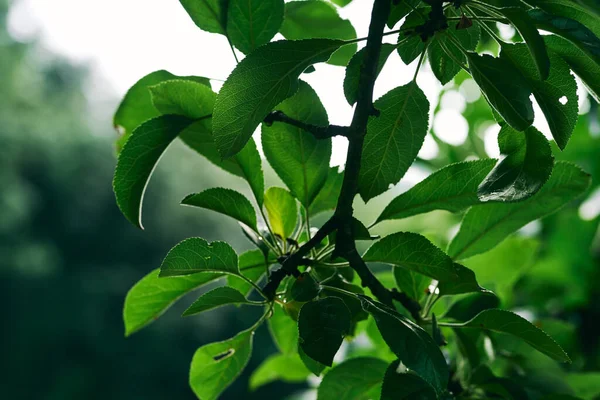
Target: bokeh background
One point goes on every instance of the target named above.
(68, 257)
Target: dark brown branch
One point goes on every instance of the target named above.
(320, 132)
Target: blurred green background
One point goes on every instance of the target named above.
(68, 257)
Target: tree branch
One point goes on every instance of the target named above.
(319, 132)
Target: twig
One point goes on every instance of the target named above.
(319, 132)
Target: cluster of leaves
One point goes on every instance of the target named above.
(324, 291)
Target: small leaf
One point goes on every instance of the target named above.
(393, 139)
(216, 365)
(504, 88)
(412, 252)
(526, 28)
(318, 19)
(353, 70)
(197, 255)
(412, 46)
(149, 298)
(282, 211)
(402, 385)
(225, 201)
(284, 330)
(355, 379)
(471, 305)
(399, 10)
(556, 96)
(138, 159)
(208, 15)
(452, 188)
(327, 197)
(217, 297)
(298, 158)
(507, 322)
(525, 166)
(183, 97)
(412, 283)
(288, 368)
(360, 231)
(322, 325)
(304, 288)
(411, 344)
(465, 282)
(252, 23)
(313, 366)
(248, 96)
(486, 225)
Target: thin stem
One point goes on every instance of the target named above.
(334, 265)
(335, 289)
(319, 132)
(277, 248)
(232, 49)
(266, 315)
(420, 63)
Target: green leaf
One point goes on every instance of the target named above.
(252, 266)
(138, 159)
(585, 67)
(525, 166)
(585, 384)
(399, 10)
(217, 297)
(443, 66)
(471, 305)
(304, 288)
(360, 231)
(313, 366)
(318, 19)
(208, 15)
(412, 283)
(486, 225)
(355, 379)
(452, 188)
(252, 23)
(393, 139)
(354, 66)
(402, 385)
(507, 322)
(300, 160)
(557, 95)
(182, 97)
(284, 331)
(136, 107)
(216, 365)
(411, 344)
(248, 96)
(504, 87)
(411, 46)
(288, 368)
(322, 325)
(570, 9)
(327, 197)
(149, 298)
(526, 28)
(412, 252)
(225, 201)
(465, 282)
(197, 255)
(341, 3)
(282, 211)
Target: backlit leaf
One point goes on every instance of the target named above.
(282, 211)
(217, 297)
(208, 15)
(183, 97)
(328, 195)
(353, 70)
(197, 255)
(355, 379)
(287, 368)
(252, 23)
(284, 330)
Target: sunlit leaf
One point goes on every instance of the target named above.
(197, 255)
(288, 368)
(284, 330)
(353, 70)
(208, 15)
(282, 211)
(252, 23)
(224, 201)
(183, 97)
(217, 297)
(354, 379)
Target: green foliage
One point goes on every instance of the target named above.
(311, 296)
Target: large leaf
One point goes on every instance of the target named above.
(136, 107)
(353, 70)
(137, 161)
(557, 95)
(585, 67)
(328, 195)
(284, 331)
(452, 188)
(412, 252)
(525, 166)
(216, 365)
(526, 27)
(183, 97)
(282, 211)
(486, 225)
(393, 139)
(354, 379)
(252, 23)
(208, 15)
(197, 255)
(217, 297)
(225, 201)
(322, 325)
(260, 82)
(288, 368)
(402, 385)
(318, 19)
(510, 323)
(411, 344)
(504, 88)
(149, 298)
(570, 9)
(300, 160)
